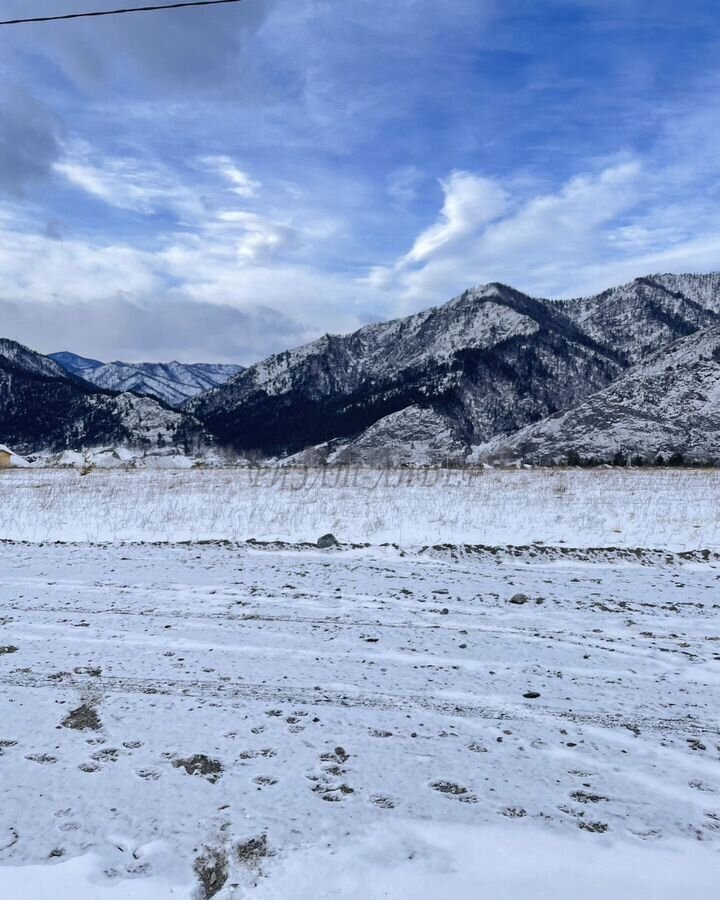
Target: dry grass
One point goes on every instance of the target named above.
(601, 507)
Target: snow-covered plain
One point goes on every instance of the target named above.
(665, 509)
(286, 723)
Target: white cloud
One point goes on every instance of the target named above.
(216, 224)
(255, 237)
(242, 184)
(216, 221)
(595, 230)
(471, 202)
(37, 269)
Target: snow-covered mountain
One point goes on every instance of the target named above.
(435, 385)
(492, 374)
(490, 360)
(667, 406)
(648, 313)
(172, 382)
(43, 407)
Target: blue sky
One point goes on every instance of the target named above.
(220, 184)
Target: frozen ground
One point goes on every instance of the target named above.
(289, 723)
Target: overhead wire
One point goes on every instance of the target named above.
(117, 12)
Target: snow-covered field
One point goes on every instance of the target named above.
(665, 509)
(281, 722)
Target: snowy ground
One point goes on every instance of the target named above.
(288, 723)
(665, 509)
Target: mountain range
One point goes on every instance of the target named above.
(172, 382)
(454, 381)
(493, 375)
(44, 407)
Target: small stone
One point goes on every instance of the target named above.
(326, 541)
(519, 599)
(444, 611)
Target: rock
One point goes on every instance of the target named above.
(531, 695)
(519, 599)
(326, 541)
(444, 611)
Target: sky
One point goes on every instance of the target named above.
(220, 184)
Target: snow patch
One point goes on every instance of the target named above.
(83, 878)
(428, 861)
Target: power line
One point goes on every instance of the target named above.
(118, 12)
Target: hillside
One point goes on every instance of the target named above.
(648, 313)
(667, 406)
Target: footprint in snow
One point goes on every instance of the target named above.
(454, 790)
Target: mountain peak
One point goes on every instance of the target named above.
(486, 291)
(72, 362)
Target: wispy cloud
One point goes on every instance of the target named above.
(126, 183)
(213, 252)
(240, 182)
(595, 230)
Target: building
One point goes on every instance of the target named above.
(8, 459)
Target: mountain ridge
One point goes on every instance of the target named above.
(489, 375)
(487, 363)
(173, 383)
